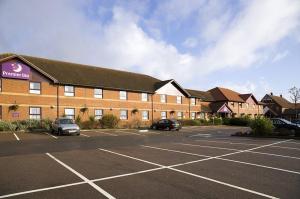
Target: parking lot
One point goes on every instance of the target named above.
(198, 162)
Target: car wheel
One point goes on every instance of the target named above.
(154, 127)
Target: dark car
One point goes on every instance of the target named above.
(286, 127)
(65, 126)
(166, 124)
(296, 121)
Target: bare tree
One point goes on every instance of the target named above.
(295, 97)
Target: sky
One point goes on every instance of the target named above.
(251, 46)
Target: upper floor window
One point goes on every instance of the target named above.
(179, 100)
(69, 91)
(98, 93)
(35, 87)
(123, 114)
(163, 98)
(232, 104)
(123, 95)
(144, 97)
(35, 113)
(193, 101)
(145, 115)
(98, 114)
(70, 113)
(247, 105)
(241, 105)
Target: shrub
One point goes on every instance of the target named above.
(46, 124)
(238, 121)
(261, 126)
(7, 126)
(78, 121)
(216, 121)
(188, 122)
(109, 121)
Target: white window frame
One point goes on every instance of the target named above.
(193, 115)
(98, 93)
(71, 116)
(179, 115)
(123, 95)
(193, 101)
(145, 115)
(163, 98)
(35, 113)
(69, 93)
(33, 90)
(163, 115)
(179, 99)
(123, 114)
(98, 114)
(144, 97)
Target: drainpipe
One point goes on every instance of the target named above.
(189, 108)
(57, 101)
(152, 111)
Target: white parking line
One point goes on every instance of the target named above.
(16, 137)
(192, 174)
(272, 154)
(243, 143)
(84, 135)
(294, 142)
(229, 160)
(213, 147)
(51, 135)
(132, 133)
(102, 191)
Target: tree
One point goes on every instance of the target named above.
(295, 97)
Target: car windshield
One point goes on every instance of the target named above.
(66, 121)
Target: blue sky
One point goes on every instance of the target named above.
(248, 46)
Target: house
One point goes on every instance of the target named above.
(278, 106)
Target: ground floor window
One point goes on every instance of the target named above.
(163, 115)
(123, 114)
(179, 115)
(145, 115)
(35, 113)
(98, 114)
(202, 115)
(193, 115)
(70, 113)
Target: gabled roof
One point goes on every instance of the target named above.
(203, 95)
(174, 83)
(281, 101)
(91, 76)
(215, 107)
(245, 97)
(224, 94)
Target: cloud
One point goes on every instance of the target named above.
(62, 30)
(190, 42)
(280, 56)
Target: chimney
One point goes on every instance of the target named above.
(271, 93)
(281, 95)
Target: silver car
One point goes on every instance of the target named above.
(65, 126)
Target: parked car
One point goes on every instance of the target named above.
(286, 127)
(166, 124)
(65, 126)
(297, 121)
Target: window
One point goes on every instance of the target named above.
(179, 100)
(163, 98)
(123, 115)
(163, 115)
(98, 114)
(247, 105)
(193, 115)
(241, 105)
(35, 87)
(193, 101)
(179, 115)
(144, 97)
(145, 115)
(253, 106)
(98, 93)
(69, 91)
(35, 113)
(70, 113)
(232, 104)
(123, 95)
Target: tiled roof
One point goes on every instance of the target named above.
(203, 95)
(224, 94)
(84, 75)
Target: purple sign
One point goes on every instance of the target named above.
(224, 109)
(15, 69)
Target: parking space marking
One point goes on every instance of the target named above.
(272, 154)
(243, 143)
(106, 133)
(42, 189)
(92, 184)
(213, 147)
(200, 135)
(192, 174)
(84, 135)
(131, 133)
(229, 160)
(51, 135)
(294, 142)
(16, 137)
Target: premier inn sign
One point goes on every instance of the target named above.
(15, 70)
